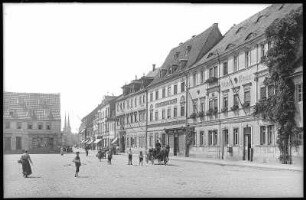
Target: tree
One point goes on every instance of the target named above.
(284, 56)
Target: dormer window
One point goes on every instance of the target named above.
(229, 46)
(176, 55)
(260, 18)
(188, 48)
(240, 29)
(174, 68)
(210, 54)
(183, 63)
(251, 35)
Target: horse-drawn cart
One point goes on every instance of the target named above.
(161, 155)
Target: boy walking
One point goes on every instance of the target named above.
(77, 162)
(109, 157)
(140, 158)
(130, 157)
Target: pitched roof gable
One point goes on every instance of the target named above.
(252, 27)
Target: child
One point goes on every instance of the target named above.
(140, 158)
(109, 157)
(130, 157)
(147, 157)
(99, 155)
(77, 162)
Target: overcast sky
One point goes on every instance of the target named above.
(85, 50)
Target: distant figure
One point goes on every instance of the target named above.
(109, 157)
(26, 167)
(86, 149)
(130, 157)
(147, 156)
(99, 155)
(140, 158)
(77, 162)
(62, 151)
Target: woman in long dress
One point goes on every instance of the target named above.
(26, 167)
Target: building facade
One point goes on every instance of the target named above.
(31, 121)
(167, 93)
(131, 113)
(226, 84)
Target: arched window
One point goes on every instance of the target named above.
(240, 29)
(260, 18)
(182, 100)
(229, 46)
(251, 35)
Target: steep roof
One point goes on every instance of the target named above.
(31, 106)
(197, 46)
(250, 28)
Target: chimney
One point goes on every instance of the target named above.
(153, 67)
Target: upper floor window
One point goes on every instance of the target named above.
(7, 125)
(247, 96)
(299, 92)
(247, 58)
(163, 113)
(163, 92)
(236, 99)
(194, 78)
(168, 113)
(175, 112)
(202, 76)
(182, 86)
(213, 71)
(40, 126)
(151, 96)
(48, 127)
(156, 115)
(135, 101)
(195, 105)
(236, 63)
(30, 126)
(169, 91)
(225, 102)
(151, 113)
(175, 89)
(19, 125)
(156, 94)
(263, 93)
(225, 70)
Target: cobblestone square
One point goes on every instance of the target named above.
(53, 176)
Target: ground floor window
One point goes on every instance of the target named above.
(270, 134)
(163, 139)
(18, 143)
(215, 138)
(151, 140)
(225, 135)
(194, 138)
(210, 138)
(262, 135)
(235, 136)
(201, 138)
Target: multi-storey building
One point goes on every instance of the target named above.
(131, 112)
(31, 121)
(87, 128)
(167, 95)
(224, 87)
(106, 123)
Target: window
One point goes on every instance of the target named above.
(174, 90)
(151, 96)
(131, 115)
(140, 100)
(216, 71)
(215, 139)
(156, 115)
(18, 143)
(236, 99)
(216, 103)
(40, 126)
(135, 115)
(182, 86)
(151, 112)
(262, 135)
(225, 102)
(7, 125)
(202, 76)
(164, 93)
(247, 58)
(156, 94)
(225, 134)
(30, 126)
(225, 70)
(169, 113)
(194, 78)
(131, 103)
(236, 63)
(182, 110)
(163, 113)
(144, 99)
(19, 125)
(262, 92)
(211, 72)
(201, 138)
(175, 112)
(210, 138)
(151, 140)
(270, 134)
(135, 102)
(270, 90)
(194, 138)
(202, 105)
(299, 92)
(195, 105)
(247, 96)
(48, 127)
(235, 137)
(169, 91)
(210, 104)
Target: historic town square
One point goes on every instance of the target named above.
(153, 100)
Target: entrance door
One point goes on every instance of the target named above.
(18, 143)
(176, 144)
(7, 143)
(247, 143)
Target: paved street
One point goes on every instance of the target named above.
(53, 176)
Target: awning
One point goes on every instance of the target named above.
(84, 141)
(89, 142)
(97, 141)
(114, 141)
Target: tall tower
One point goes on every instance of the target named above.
(65, 125)
(68, 127)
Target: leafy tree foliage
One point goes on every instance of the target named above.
(284, 56)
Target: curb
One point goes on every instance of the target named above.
(238, 165)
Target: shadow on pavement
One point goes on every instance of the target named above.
(34, 176)
(83, 177)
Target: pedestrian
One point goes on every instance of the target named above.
(130, 157)
(146, 156)
(86, 149)
(99, 155)
(77, 161)
(109, 157)
(140, 158)
(62, 151)
(26, 167)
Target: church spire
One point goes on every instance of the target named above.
(68, 128)
(65, 125)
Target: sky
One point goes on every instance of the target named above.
(87, 50)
